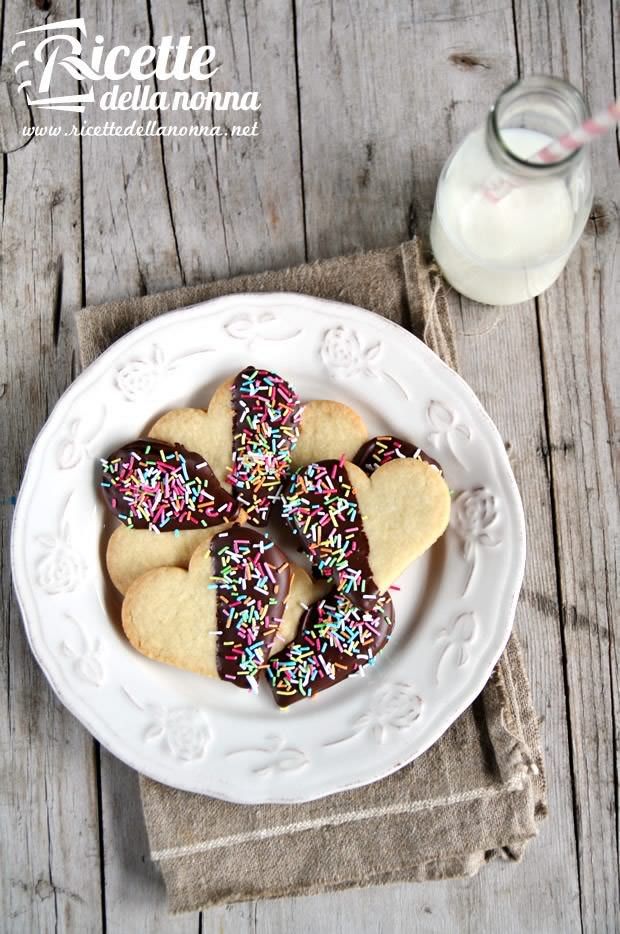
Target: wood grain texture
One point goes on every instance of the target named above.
(367, 99)
(231, 211)
(382, 107)
(259, 182)
(129, 248)
(212, 207)
(48, 792)
(466, 59)
(580, 345)
(135, 899)
(14, 113)
(129, 240)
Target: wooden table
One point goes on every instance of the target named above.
(361, 103)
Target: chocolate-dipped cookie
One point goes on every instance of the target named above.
(239, 601)
(385, 448)
(265, 430)
(326, 429)
(336, 639)
(362, 532)
(152, 485)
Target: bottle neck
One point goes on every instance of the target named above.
(546, 106)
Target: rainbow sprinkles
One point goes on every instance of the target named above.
(246, 592)
(321, 506)
(251, 577)
(266, 417)
(336, 639)
(163, 487)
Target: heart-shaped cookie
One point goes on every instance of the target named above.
(132, 552)
(385, 448)
(336, 639)
(248, 434)
(208, 431)
(362, 532)
(239, 600)
(152, 485)
(328, 429)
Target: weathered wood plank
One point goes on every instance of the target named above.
(259, 182)
(126, 209)
(380, 109)
(135, 898)
(48, 799)
(14, 112)
(236, 201)
(580, 343)
(129, 243)
(206, 216)
(366, 171)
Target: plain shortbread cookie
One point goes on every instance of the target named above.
(169, 614)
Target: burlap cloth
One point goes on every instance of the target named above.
(477, 793)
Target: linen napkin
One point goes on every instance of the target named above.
(479, 792)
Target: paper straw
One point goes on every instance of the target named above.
(559, 148)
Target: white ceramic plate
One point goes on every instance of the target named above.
(454, 610)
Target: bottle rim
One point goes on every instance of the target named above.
(554, 88)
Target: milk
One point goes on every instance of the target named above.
(508, 251)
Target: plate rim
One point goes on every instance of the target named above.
(74, 703)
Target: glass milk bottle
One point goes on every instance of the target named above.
(504, 226)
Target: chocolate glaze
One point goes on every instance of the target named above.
(252, 578)
(385, 448)
(336, 639)
(266, 416)
(149, 484)
(320, 505)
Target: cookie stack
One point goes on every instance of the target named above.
(204, 589)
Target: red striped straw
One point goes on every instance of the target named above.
(559, 148)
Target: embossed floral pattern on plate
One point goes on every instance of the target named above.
(272, 757)
(183, 731)
(137, 378)
(197, 733)
(76, 445)
(60, 569)
(456, 640)
(393, 708)
(474, 516)
(448, 432)
(85, 654)
(344, 357)
(260, 326)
